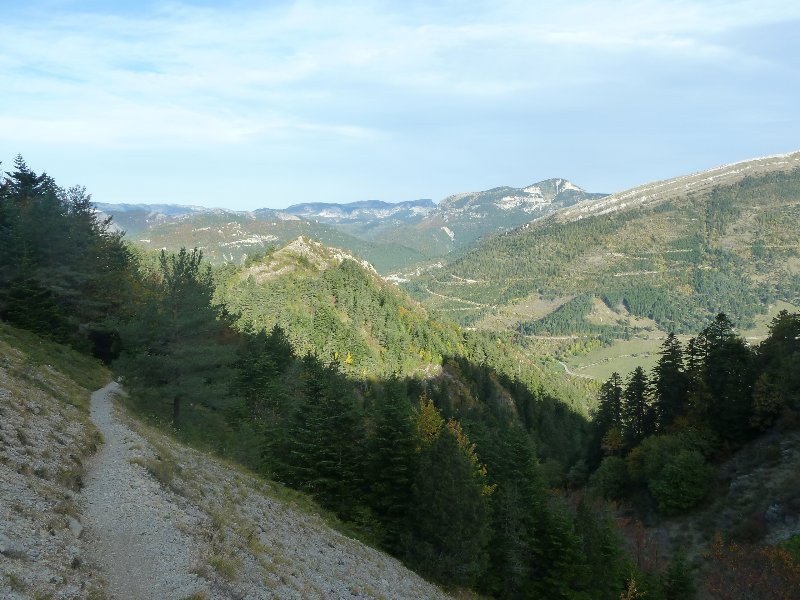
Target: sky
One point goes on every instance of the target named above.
(246, 105)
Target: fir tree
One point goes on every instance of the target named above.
(391, 462)
(669, 381)
(448, 522)
(638, 418)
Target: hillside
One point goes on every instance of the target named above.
(461, 219)
(675, 253)
(148, 517)
(338, 308)
(230, 237)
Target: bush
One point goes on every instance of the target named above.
(610, 478)
(682, 483)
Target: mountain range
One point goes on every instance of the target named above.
(391, 236)
(676, 252)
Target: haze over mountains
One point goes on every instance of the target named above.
(390, 235)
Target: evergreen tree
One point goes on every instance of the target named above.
(728, 376)
(669, 381)
(260, 369)
(778, 362)
(175, 347)
(391, 462)
(448, 524)
(53, 248)
(638, 418)
(608, 420)
(608, 565)
(326, 441)
(518, 499)
(609, 405)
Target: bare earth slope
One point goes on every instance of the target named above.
(166, 521)
(144, 516)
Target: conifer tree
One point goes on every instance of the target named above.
(391, 462)
(608, 421)
(602, 544)
(778, 362)
(518, 499)
(638, 418)
(669, 381)
(326, 440)
(448, 522)
(175, 347)
(728, 375)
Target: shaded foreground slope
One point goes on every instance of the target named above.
(155, 519)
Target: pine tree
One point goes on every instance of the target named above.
(175, 347)
(670, 384)
(638, 418)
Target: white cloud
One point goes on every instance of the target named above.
(318, 74)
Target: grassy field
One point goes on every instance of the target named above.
(625, 355)
(757, 333)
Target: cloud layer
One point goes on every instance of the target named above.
(236, 104)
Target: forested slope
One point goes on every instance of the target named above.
(678, 261)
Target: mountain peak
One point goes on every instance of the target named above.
(303, 253)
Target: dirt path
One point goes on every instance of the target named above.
(133, 531)
(566, 368)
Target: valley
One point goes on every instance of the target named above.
(505, 392)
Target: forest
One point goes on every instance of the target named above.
(678, 263)
(450, 470)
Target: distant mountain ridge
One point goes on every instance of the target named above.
(363, 210)
(461, 219)
(391, 236)
(660, 191)
(676, 251)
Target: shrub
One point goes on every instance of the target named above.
(610, 478)
(682, 483)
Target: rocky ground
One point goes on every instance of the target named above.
(146, 517)
(44, 440)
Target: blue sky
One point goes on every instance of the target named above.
(265, 104)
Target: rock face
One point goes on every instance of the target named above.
(369, 212)
(146, 517)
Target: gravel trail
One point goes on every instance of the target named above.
(131, 527)
(163, 521)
